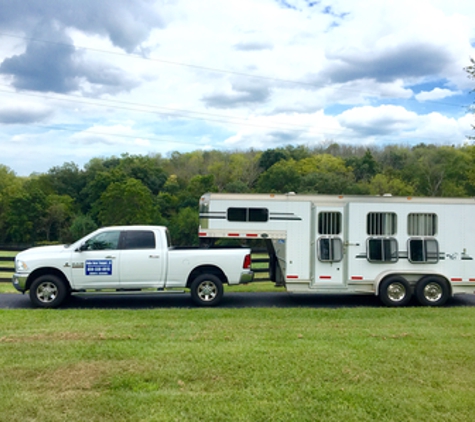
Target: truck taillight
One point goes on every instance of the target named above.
(247, 262)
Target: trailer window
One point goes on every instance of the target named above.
(248, 214)
(423, 251)
(329, 223)
(422, 224)
(381, 223)
(382, 249)
(330, 249)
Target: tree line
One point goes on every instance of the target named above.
(67, 202)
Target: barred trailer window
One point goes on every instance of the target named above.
(329, 223)
(381, 223)
(422, 224)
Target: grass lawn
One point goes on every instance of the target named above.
(381, 364)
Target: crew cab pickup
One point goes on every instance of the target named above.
(128, 260)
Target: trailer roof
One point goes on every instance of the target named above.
(292, 197)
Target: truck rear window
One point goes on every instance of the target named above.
(139, 239)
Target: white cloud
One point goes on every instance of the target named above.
(436, 94)
(348, 73)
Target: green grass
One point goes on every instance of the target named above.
(411, 364)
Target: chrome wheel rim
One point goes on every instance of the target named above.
(207, 291)
(433, 292)
(47, 292)
(396, 292)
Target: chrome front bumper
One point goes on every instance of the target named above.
(19, 282)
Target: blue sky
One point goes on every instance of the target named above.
(95, 79)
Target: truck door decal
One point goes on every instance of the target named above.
(99, 267)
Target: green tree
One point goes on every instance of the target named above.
(365, 167)
(57, 217)
(128, 202)
(184, 227)
(26, 210)
(471, 74)
(282, 177)
(81, 226)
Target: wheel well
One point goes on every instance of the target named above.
(43, 271)
(206, 269)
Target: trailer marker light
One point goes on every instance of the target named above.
(357, 277)
(202, 234)
(233, 234)
(456, 279)
(292, 276)
(251, 235)
(471, 279)
(325, 277)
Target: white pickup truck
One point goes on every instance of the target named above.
(128, 260)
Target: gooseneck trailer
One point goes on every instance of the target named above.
(392, 247)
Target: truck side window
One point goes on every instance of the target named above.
(102, 241)
(330, 249)
(382, 249)
(423, 250)
(139, 239)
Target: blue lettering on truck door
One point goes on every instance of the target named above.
(99, 267)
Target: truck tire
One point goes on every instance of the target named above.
(432, 291)
(395, 291)
(48, 291)
(206, 290)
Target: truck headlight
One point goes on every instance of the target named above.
(21, 266)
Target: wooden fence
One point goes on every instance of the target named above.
(6, 269)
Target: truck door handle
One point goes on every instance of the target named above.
(154, 256)
(110, 257)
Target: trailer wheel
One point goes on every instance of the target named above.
(48, 291)
(432, 291)
(395, 291)
(206, 290)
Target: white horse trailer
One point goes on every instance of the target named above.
(393, 247)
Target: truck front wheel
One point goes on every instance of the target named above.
(48, 291)
(206, 290)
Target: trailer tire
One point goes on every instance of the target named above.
(432, 291)
(48, 291)
(395, 291)
(206, 290)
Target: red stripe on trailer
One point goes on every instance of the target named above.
(456, 279)
(357, 277)
(325, 277)
(292, 276)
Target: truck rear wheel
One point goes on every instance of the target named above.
(48, 291)
(432, 291)
(206, 290)
(395, 291)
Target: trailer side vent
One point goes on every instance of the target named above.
(381, 223)
(421, 224)
(329, 223)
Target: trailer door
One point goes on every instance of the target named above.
(328, 247)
